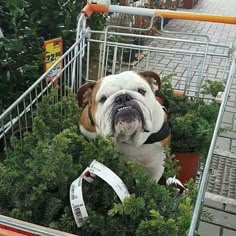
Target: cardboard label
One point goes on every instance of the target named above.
(53, 51)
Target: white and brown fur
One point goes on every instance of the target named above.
(151, 156)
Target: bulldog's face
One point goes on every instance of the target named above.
(122, 106)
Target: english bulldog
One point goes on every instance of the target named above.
(124, 107)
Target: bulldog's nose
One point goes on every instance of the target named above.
(123, 98)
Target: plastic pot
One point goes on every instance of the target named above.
(188, 4)
(189, 163)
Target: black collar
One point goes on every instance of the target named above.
(163, 133)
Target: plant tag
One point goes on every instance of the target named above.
(219, 97)
(173, 180)
(76, 197)
(111, 178)
(77, 202)
(102, 2)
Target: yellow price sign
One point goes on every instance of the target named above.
(53, 51)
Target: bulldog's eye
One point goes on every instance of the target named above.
(141, 91)
(103, 99)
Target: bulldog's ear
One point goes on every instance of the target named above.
(84, 93)
(153, 79)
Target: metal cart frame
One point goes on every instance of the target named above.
(196, 61)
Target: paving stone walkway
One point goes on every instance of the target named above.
(223, 222)
(220, 34)
(222, 177)
(220, 198)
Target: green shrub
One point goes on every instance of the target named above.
(192, 120)
(212, 87)
(26, 24)
(36, 176)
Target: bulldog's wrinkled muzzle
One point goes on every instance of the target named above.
(126, 114)
(123, 99)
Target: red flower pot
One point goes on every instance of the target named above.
(188, 4)
(189, 163)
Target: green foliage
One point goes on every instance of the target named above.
(21, 52)
(36, 176)
(166, 86)
(158, 225)
(192, 120)
(26, 24)
(171, 164)
(212, 87)
(192, 132)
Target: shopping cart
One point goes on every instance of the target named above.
(161, 53)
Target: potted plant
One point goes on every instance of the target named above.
(191, 136)
(212, 87)
(35, 180)
(188, 4)
(192, 124)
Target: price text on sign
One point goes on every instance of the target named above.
(53, 51)
(51, 58)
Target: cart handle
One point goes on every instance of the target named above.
(89, 9)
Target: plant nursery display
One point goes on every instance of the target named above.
(36, 176)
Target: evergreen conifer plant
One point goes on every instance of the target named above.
(36, 176)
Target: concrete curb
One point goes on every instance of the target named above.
(224, 153)
(220, 199)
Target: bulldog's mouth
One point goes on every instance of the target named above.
(127, 118)
(124, 108)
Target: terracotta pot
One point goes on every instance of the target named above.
(178, 92)
(188, 4)
(189, 163)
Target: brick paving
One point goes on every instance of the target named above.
(222, 178)
(220, 198)
(213, 69)
(223, 221)
(220, 34)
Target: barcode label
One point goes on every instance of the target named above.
(77, 202)
(78, 214)
(73, 196)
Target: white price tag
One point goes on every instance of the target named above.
(102, 2)
(219, 97)
(77, 201)
(76, 197)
